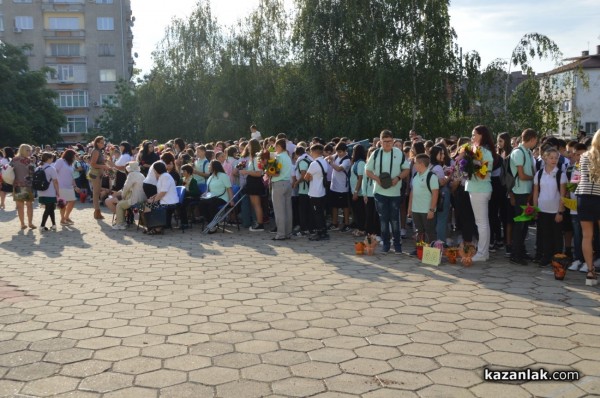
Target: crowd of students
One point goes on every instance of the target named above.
(376, 187)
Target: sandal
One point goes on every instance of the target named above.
(591, 278)
(32, 226)
(155, 232)
(23, 226)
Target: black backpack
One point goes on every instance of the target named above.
(507, 179)
(306, 183)
(539, 180)
(39, 181)
(440, 200)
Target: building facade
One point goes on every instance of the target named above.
(577, 84)
(86, 43)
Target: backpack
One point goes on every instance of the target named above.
(440, 200)
(324, 174)
(306, 183)
(345, 172)
(539, 180)
(507, 179)
(39, 181)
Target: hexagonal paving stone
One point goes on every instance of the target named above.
(332, 355)
(164, 351)
(50, 386)
(353, 384)
(187, 362)
(160, 378)
(300, 344)
(345, 342)
(68, 356)
(125, 331)
(404, 380)
(116, 353)
(56, 344)
(137, 365)
(284, 357)
(85, 368)
(97, 343)
(364, 366)
(437, 391)
(243, 388)
(34, 371)
(10, 388)
(298, 387)
(499, 390)
(236, 360)
(315, 370)
(461, 347)
(423, 350)
(256, 346)
(507, 359)
(544, 355)
(413, 364)
(377, 352)
(214, 375)
(106, 382)
(264, 372)
(186, 390)
(461, 361)
(430, 337)
(211, 349)
(455, 377)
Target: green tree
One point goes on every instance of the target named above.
(120, 120)
(28, 113)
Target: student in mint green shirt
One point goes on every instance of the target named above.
(281, 192)
(219, 186)
(357, 171)
(422, 202)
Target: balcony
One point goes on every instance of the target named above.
(67, 59)
(63, 34)
(58, 6)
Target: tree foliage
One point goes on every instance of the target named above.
(27, 109)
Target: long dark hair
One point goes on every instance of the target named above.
(9, 153)
(487, 140)
(126, 148)
(507, 148)
(358, 153)
(433, 154)
(69, 156)
(216, 167)
(97, 140)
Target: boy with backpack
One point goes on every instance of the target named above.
(316, 175)
(303, 161)
(422, 202)
(550, 185)
(340, 187)
(45, 181)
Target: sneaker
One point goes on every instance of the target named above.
(492, 248)
(575, 265)
(499, 245)
(403, 233)
(317, 237)
(345, 228)
(257, 228)
(584, 268)
(398, 250)
(518, 261)
(385, 249)
(479, 258)
(53, 228)
(300, 234)
(334, 227)
(274, 230)
(119, 226)
(43, 229)
(508, 250)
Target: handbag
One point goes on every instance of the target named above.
(156, 217)
(385, 178)
(8, 174)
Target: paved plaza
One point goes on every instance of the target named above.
(92, 312)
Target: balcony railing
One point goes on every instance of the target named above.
(61, 33)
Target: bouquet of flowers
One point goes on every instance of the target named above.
(61, 203)
(269, 163)
(241, 165)
(472, 162)
(529, 213)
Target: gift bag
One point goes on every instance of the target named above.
(432, 256)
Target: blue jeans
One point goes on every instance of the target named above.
(441, 223)
(388, 208)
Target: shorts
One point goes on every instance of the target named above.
(47, 200)
(588, 207)
(7, 188)
(67, 193)
(339, 200)
(23, 194)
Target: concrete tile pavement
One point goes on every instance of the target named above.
(92, 312)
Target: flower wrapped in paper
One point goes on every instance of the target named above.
(472, 162)
(529, 213)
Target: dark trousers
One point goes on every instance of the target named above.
(149, 189)
(210, 207)
(519, 229)
(464, 213)
(49, 212)
(372, 224)
(388, 208)
(358, 212)
(305, 212)
(494, 213)
(551, 240)
(318, 214)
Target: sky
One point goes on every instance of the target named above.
(491, 27)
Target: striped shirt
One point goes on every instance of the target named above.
(586, 186)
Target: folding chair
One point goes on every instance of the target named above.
(225, 209)
(180, 207)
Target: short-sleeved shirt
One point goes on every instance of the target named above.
(482, 185)
(316, 188)
(302, 164)
(151, 177)
(357, 170)
(379, 163)
(285, 174)
(549, 192)
(167, 184)
(65, 173)
(522, 156)
(421, 200)
(201, 165)
(218, 185)
(339, 179)
(51, 176)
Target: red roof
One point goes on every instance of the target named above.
(586, 62)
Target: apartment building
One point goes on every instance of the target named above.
(87, 43)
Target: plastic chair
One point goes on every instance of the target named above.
(180, 207)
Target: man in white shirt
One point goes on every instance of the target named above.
(340, 189)
(316, 176)
(254, 133)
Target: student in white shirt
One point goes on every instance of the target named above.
(316, 175)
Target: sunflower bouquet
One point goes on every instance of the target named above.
(269, 164)
(472, 162)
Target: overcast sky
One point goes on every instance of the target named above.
(491, 27)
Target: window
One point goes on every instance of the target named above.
(104, 1)
(566, 106)
(108, 99)
(64, 23)
(108, 75)
(68, 1)
(590, 128)
(106, 50)
(22, 1)
(105, 23)
(75, 124)
(64, 50)
(63, 73)
(24, 23)
(72, 99)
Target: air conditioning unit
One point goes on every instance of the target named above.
(18, 30)
(96, 104)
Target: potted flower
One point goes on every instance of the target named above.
(467, 251)
(370, 244)
(451, 254)
(420, 244)
(560, 263)
(359, 248)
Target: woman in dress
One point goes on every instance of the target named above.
(98, 165)
(6, 155)
(67, 185)
(24, 167)
(255, 187)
